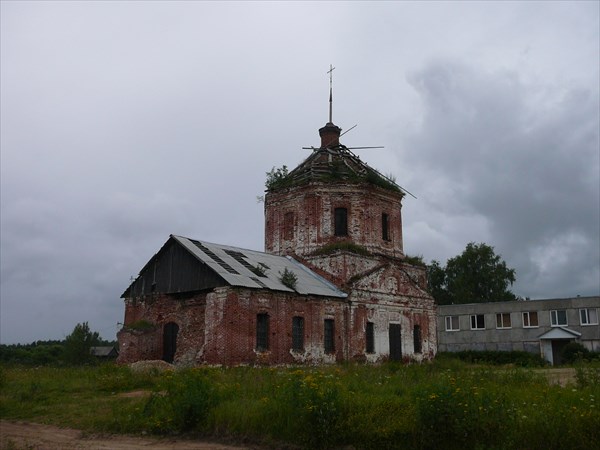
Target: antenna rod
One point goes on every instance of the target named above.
(331, 68)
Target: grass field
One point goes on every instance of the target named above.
(446, 404)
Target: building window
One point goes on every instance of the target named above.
(329, 340)
(558, 318)
(385, 226)
(503, 320)
(262, 332)
(452, 323)
(417, 338)
(530, 319)
(288, 225)
(341, 221)
(477, 322)
(370, 337)
(298, 334)
(588, 316)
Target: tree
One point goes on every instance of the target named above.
(477, 275)
(79, 343)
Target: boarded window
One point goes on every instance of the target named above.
(417, 338)
(385, 227)
(262, 332)
(477, 322)
(328, 336)
(298, 334)
(288, 225)
(370, 337)
(503, 320)
(530, 319)
(341, 221)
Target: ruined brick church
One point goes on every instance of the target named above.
(332, 285)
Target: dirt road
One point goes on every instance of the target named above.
(33, 436)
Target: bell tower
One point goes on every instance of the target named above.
(333, 202)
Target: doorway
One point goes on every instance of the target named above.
(395, 342)
(170, 341)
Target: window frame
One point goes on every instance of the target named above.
(528, 314)
(588, 321)
(554, 322)
(329, 336)
(451, 328)
(340, 221)
(262, 332)
(298, 333)
(475, 324)
(288, 225)
(501, 325)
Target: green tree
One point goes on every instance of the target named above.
(477, 275)
(79, 343)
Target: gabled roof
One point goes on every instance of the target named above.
(560, 333)
(253, 269)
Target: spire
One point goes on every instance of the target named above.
(330, 133)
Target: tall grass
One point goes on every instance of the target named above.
(447, 404)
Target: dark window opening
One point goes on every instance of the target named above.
(329, 339)
(385, 225)
(477, 322)
(170, 341)
(395, 335)
(417, 338)
(370, 337)
(341, 221)
(262, 332)
(298, 333)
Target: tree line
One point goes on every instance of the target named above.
(73, 350)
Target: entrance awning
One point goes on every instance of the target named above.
(560, 333)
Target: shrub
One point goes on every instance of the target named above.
(573, 352)
(183, 403)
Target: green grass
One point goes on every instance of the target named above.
(449, 404)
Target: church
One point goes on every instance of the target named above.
(332, 285)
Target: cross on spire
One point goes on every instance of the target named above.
(331, 69)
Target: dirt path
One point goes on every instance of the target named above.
(34, 436)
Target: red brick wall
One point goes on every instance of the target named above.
(313, 208)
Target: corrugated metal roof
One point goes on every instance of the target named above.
(253, 269)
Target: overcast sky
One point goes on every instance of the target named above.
(125, 122)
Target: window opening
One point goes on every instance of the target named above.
(370, 337)
(558, 318)
(341, 221)
(329, 332)
(477, 322)
(588, 316)
(385, 224)
(262, 332)
(530, 319)
(298, 333)
(417, 338)
(503, 320)
(452, 323)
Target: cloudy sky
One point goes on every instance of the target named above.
(124, 122)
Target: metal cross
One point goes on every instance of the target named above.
(331, 69)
